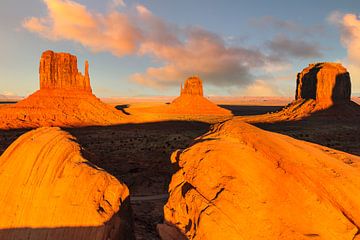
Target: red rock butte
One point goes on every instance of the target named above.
(327, 83)
(65, 98)
(193, 86)
(321, 88)
(59, 71)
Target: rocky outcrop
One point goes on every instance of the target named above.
(49, 191)
(193, 86)
(266, 186)
(64, 99)
(60, 71)
(327, 83)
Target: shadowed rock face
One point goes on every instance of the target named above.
(49, 191)
(193, 86)
(327, 83)
(240, 182)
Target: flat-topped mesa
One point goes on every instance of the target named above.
(60, 71)
(193, 86)
(327, 83)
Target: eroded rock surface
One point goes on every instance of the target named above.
(266, 186)
(64, 99)
(49, 191)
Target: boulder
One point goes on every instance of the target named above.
(50, 192)
(240, 182)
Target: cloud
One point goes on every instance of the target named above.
(349, 25)
(178, 52)
(203, 53)
(261, 88)
(286, 47)
(68, 20)
(286, 25)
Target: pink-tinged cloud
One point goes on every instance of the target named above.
(68, 20)
(350, 38)
(180, 52)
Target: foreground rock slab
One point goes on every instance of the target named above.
(240, 182)
(50, 192)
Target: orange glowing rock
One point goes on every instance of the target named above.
(64, 99)
(59, 71)
(49, 191)
(240, 182)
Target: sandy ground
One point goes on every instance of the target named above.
(139, 154)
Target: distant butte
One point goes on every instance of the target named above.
(65, 98)
(59, 71)
(191, 103)
(322, 90)
(327, 83)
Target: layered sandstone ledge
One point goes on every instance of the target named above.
(266, 186)
(49, 191)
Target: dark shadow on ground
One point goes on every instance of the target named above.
(139, 156)
(337, 127)
(246, 110)
(122, 108)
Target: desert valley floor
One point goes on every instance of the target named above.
(139, 154)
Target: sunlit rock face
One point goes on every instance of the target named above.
(49, 191)
(240, 182)
(64, 99)
(193, 86)
(327, 83)
(60, 71)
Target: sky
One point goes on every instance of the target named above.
(148, 47)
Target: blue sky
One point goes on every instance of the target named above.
(237, 47)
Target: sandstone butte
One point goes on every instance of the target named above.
(65, 98)
(191, 102)
(321, 89)
(49, 191)
(266, 186)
